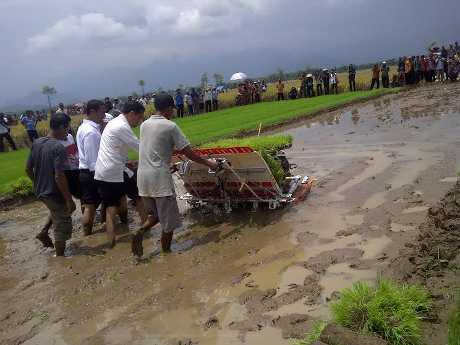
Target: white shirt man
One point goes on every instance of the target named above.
(117, 139)
(113, 182)
(88, 139)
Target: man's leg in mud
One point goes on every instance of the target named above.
(88, 219)
(123, 210)
(111, 212)
(136, 245)
(166, 240)
(43, 235)
(62, 222)
(141, 210)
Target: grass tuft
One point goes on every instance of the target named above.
(314, 334)
(20, 188)
(387, 310)
(454, 326)
(271, 143)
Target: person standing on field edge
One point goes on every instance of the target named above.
(385, 75)
(325, 78)
(334, 82)
(352, 77)
(159, 138)
(114, 180)
(29, 121)
(5, 134)
(215, 99)
(207, 98)
(375, 76)
(46, 165)
(188, 100)
(280, 90)
(179, 103)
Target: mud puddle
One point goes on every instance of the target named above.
(259, 278)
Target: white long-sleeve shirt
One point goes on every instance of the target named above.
(88, 139)
(116, 141)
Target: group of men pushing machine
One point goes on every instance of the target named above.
(97, 171)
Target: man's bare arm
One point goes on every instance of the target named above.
(190, 154)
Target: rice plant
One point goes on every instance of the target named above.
(388, 310)
(454, 325)
(314, 334)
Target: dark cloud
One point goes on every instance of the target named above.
(102, 47)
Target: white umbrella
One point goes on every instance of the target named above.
(240, 76)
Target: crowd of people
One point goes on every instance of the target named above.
(95, 169)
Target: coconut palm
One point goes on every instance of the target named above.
(142, 84)
(48, 91)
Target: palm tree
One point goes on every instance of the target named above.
(48, 91)
(142, 84)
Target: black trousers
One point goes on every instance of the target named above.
(215, 105)
(334, 89)
(280, 96)
(33, 134)
(319, 89)
(375, 81)
(310, 91)
(326, 88)
(208, 106)
(180, 110)
(7, 136)
(385, 81)
(352, 83)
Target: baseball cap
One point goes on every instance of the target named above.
(163, 101)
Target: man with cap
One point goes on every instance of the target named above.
(159, 138)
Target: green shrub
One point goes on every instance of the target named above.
(22, 187)
(314, 334)
(388, 310)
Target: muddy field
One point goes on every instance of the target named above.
(257, 278)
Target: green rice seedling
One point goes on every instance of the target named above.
(314, 334)
(270, 143)
(351, 310)
(454, 325)
(387, 310)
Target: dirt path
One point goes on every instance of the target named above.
(258, 278)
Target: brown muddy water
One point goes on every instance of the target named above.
(258, 278)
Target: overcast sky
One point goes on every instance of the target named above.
(102, 47)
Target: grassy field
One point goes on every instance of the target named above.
(217, 125)
(226, 101)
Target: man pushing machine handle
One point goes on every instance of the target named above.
(159, 138)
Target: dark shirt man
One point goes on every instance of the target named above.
(352, 77)
(46, 167)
